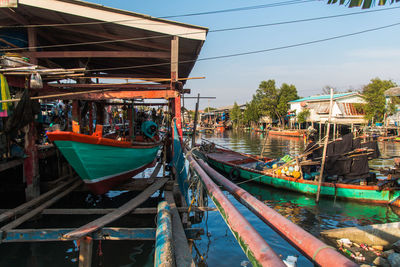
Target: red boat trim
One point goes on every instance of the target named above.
(89, 139)
(103, 186)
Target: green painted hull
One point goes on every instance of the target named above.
(96, 164)
(349, 192)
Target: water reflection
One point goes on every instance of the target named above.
(221, 249)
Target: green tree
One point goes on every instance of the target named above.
(251, 113)
(363, 3)
(266, 98)
(273, 101)
(235, 114)
(375, 98)
(303, 115)
(286, 93)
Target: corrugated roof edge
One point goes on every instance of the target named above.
(323, 97)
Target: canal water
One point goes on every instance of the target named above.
(217, 247)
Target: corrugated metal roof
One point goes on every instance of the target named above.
(320, 108)
(322, 97)
(348, 109)
(394, 91)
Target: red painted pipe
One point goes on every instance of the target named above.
(255, 247)
(310, 246)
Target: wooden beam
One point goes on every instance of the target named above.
(121, 211)
(106, 233)
(97, 54)
(38, 210)
(183, 256)
(18, 210)
(158, 94)
(143, 43)
(111, 85)
(11, 164)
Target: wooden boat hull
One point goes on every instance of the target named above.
(361, 193)
(103, 166)
(286, 133)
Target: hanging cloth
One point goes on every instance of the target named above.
(4, 93)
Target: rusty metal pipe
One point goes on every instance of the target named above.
(256, 248)
(307, 244)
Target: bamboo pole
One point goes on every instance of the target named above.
(325, 147)
(196, 113)
(60, 95)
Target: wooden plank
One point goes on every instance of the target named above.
(11, 164)
(156, 170)
(123, 210)
(183, 256)
(137, 211)
(97, 54)
(39, 209)
(85, 251)
(14, 212)
(106, 233)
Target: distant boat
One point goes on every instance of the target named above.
(103, 163)
(244, 166)
(293, 133)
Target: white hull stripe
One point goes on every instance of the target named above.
(92, 181)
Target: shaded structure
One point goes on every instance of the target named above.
(89, 55)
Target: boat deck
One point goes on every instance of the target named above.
(227, 157)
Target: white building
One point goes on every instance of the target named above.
(345, 109)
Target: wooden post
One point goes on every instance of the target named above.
(320, 131)
(31, 163)
(334, 131)
(130, 118)
(325, 147)
(32, 40)
(76, 114)
(196, 113)
(174, 79)
(90, 117)
(85, 251)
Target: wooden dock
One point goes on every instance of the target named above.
(96, 230)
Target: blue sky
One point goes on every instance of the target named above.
(346, 63)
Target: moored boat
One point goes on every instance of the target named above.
(103, 163)
(293, 133)
(245, 166)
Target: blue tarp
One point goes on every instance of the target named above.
(179, 163)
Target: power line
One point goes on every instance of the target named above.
(211, 31)
(302, 20)
(284, 3)
(256, 51)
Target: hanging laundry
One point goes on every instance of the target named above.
(4, 94)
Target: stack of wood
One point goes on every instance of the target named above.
(18, 66)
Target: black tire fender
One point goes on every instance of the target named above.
(234, 173)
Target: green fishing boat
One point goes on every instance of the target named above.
(103, 163)
(244, 166)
